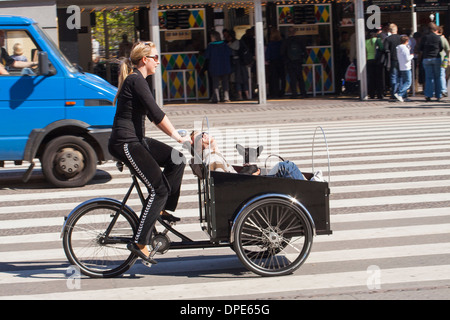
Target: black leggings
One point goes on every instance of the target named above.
(145, 160)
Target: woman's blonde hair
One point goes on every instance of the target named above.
(139, 50)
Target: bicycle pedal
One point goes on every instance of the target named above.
(155, 250)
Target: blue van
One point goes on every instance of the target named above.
(52, 112)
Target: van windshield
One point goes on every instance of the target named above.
(55, 49)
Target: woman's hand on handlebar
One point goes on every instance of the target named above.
(186, 142)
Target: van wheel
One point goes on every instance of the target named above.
(69, 161)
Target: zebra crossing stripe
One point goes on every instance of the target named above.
(417, 143)
(233, 288)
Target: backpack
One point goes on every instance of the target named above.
(244, 53)
(295, 50)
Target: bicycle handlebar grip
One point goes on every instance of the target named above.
(187, 145)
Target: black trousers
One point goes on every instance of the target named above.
(145, 160)
(375, 79)
(295, 71)
(277, 78)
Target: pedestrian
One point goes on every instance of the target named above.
(275, 62)
(445, 53)
(294, 53)
(145, 156)
(342, 60)
(125, 46)
(374, 48)
(239, 71)
(430, 48)
(404, 57)
(390, 48)
(218, 55)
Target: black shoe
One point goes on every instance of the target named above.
(427, 99)
(135, 249)
(169, 217)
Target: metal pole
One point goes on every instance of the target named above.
(414, 17)
(259, 41)
(361, 48)
(154, 33)
(107, 62)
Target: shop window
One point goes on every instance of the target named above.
(182, 30)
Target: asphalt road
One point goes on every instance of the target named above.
(390, 195)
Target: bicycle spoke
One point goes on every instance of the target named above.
(273, 237)
(87, 246)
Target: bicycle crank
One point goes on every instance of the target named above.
(160, 244)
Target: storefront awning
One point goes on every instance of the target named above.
(255, 6)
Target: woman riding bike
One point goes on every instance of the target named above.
(145, 156)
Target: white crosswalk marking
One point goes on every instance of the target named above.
(390, 200)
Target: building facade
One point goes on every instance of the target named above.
(182, 32)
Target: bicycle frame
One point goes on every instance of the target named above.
(257, 216)
(186, 243)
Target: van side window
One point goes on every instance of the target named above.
(17, 45)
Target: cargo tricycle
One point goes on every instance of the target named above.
(269, 222)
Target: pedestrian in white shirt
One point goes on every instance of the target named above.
(404, 60)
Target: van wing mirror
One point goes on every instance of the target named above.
(44, 69)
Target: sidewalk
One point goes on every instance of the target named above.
(326, 108)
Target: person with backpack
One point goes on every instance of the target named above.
(374, 47)
(294, 53)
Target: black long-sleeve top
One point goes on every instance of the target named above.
(431, 46)
(134, 103)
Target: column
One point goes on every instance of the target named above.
(259, 52)
(154, 33)
(361, 47)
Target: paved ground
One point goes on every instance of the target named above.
(328, 108)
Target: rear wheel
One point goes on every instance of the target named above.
(69, 161)
(273, 237)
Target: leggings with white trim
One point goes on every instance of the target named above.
(145, 160)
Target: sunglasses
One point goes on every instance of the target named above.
(155, 57)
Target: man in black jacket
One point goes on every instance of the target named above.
(390, 48)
